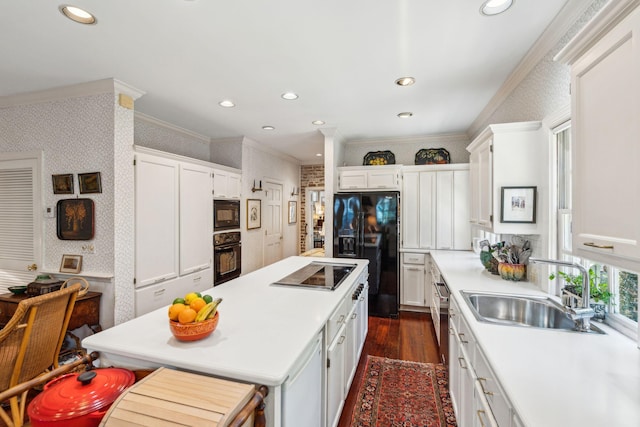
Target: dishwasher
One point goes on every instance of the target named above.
(301, 402)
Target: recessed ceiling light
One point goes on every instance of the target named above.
(78, 15)
(289, 95)
(226, 103)
(318, 154)
(317, 122)
(268, 128)
(405, 81)
(405, 114)
(495, 7)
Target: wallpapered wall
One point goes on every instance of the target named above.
(78, 135)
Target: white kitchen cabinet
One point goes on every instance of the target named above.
(226, 184)
(435, 210)
(336, 378)
(505, 155)
(369, 178)
(413, 280)
(605, 65)
(173, 223)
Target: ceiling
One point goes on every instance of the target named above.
(340, 56)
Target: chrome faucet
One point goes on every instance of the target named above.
(580, 315)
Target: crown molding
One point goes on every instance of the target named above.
(609, 16)
(169, 126)
(552, 35)
(96, 87)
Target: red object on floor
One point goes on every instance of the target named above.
(401, 393)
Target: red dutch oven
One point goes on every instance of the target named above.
(79, 400)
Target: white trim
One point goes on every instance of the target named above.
(448, 137)
(557, 29)
(166, 125)
(560, 117)
(609, 16)
(96, 87)
(145, 150)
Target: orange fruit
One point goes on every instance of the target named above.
(187, 315)
(197, 304)
(175, 310)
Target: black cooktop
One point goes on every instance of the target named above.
(318, 275)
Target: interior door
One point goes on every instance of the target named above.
(273, 222)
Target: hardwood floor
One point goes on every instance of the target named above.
(411, 337)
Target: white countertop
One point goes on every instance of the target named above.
(262, 331)
(552, 378)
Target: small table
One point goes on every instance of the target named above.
(86, 311)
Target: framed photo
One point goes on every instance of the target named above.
(89, 182)
(254, 214)
(518, 204)
(293, 212)
(71, 264)
(63, 184)
(75, 219)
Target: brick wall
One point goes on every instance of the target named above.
(310, 176)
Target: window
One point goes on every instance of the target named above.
(623, 285)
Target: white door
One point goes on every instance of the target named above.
(314, 230)
(273, 222)
(20, 216)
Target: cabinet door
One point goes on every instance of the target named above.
(485, 185)
(461, 211)
(382, 179)
(413, 285)
(410, 210)
(444, 210)
(352, 180)
(474, 185)
(196, 228)
(335, 379)
(220, 183)
(234, 186)
(426, 211)
(606, 108)
(351, 356)
(156, 219)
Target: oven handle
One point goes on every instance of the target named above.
(225, 247)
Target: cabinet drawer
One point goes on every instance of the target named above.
(338, 319)
(409, 258)
(492, 391)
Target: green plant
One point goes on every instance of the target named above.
(598, 286)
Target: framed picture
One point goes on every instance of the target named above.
(293, 212)
(518, 204)
(75, 219)
(89, 182)
(254, 213)
(63, 184)
(71, 264)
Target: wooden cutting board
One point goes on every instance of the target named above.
(168, 397)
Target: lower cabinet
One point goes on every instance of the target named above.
(415, 291)
(477, 397)
(345, 332)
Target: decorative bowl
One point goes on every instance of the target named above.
(515, 272)
(17, 290)
(195, 330)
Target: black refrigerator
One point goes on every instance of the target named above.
(366, 225)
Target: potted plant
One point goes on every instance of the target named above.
(512, 261)
(599, 293)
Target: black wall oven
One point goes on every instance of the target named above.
(226, 215)
(227, 256)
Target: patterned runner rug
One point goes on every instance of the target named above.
(397, 393)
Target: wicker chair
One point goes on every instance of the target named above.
(30, 343)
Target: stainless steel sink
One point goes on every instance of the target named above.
(521, 310)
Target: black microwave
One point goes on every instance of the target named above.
(226, 214)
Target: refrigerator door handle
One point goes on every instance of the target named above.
(361, 236)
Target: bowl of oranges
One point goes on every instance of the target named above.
(193, 317)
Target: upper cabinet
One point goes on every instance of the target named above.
(605, 104)
(226, 184)
(505, 155)
(369, 178)
(435, 207)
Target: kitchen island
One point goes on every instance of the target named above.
(264, 334)
(550, 378)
